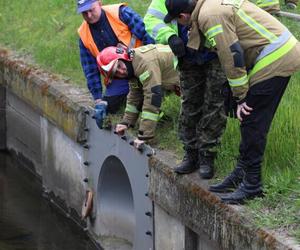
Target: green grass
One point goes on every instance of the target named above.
(46, 31)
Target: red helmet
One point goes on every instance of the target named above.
(107, 61)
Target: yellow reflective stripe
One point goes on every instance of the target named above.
(164, 49)
(143, 77)
(151, 116)
(274, 56)
(131, 108)
(266, 3)
(238, 81)
(161, 114)
(256, 26)
(213, 31)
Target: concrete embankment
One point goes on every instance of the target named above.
(43, 120)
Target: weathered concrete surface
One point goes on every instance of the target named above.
(187, 198)
(45, 126)
(2, 118)
(169, 232)
(62, 169)
(23, 132)
(54, 98)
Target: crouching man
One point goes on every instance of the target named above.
(149, 69)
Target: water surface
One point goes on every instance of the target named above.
(27, 220)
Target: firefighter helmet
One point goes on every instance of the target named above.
(107, 61)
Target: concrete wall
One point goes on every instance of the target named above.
(45, 124)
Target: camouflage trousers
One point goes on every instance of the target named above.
(202, 118)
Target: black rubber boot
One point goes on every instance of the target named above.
(189, 162)
(250, 187)
(206, 168)
(231, 182)
(240, 196)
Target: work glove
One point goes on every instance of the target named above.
(230, 103)
(177, 46)
(100, 113)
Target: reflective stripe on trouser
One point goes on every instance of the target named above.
(202, 119)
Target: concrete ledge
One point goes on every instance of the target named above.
(187, 198)
(55, 99)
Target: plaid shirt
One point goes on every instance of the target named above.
(104, 36)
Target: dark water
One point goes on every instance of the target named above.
(27, 220)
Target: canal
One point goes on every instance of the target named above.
(27, 220)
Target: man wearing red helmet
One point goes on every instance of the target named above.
(149, 68)
(104, 26)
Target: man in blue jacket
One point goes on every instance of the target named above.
(105, 26)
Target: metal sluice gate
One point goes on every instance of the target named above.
(121, 206)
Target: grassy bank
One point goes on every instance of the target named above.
(46, 32)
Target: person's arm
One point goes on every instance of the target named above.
(135, 24)
(150, 77)
(155, 25)
(91, 72)
(163, 33)
(221, 36)
(133, 104)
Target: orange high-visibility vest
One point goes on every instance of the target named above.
(120, 29)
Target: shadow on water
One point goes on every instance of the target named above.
(29, 222)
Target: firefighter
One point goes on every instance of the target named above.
(258, 55)
(151, 69)
(202, 118)
(103, 26)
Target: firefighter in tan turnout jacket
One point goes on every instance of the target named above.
(150, 69)
(258, 55)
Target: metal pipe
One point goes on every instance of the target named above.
(289, 15)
